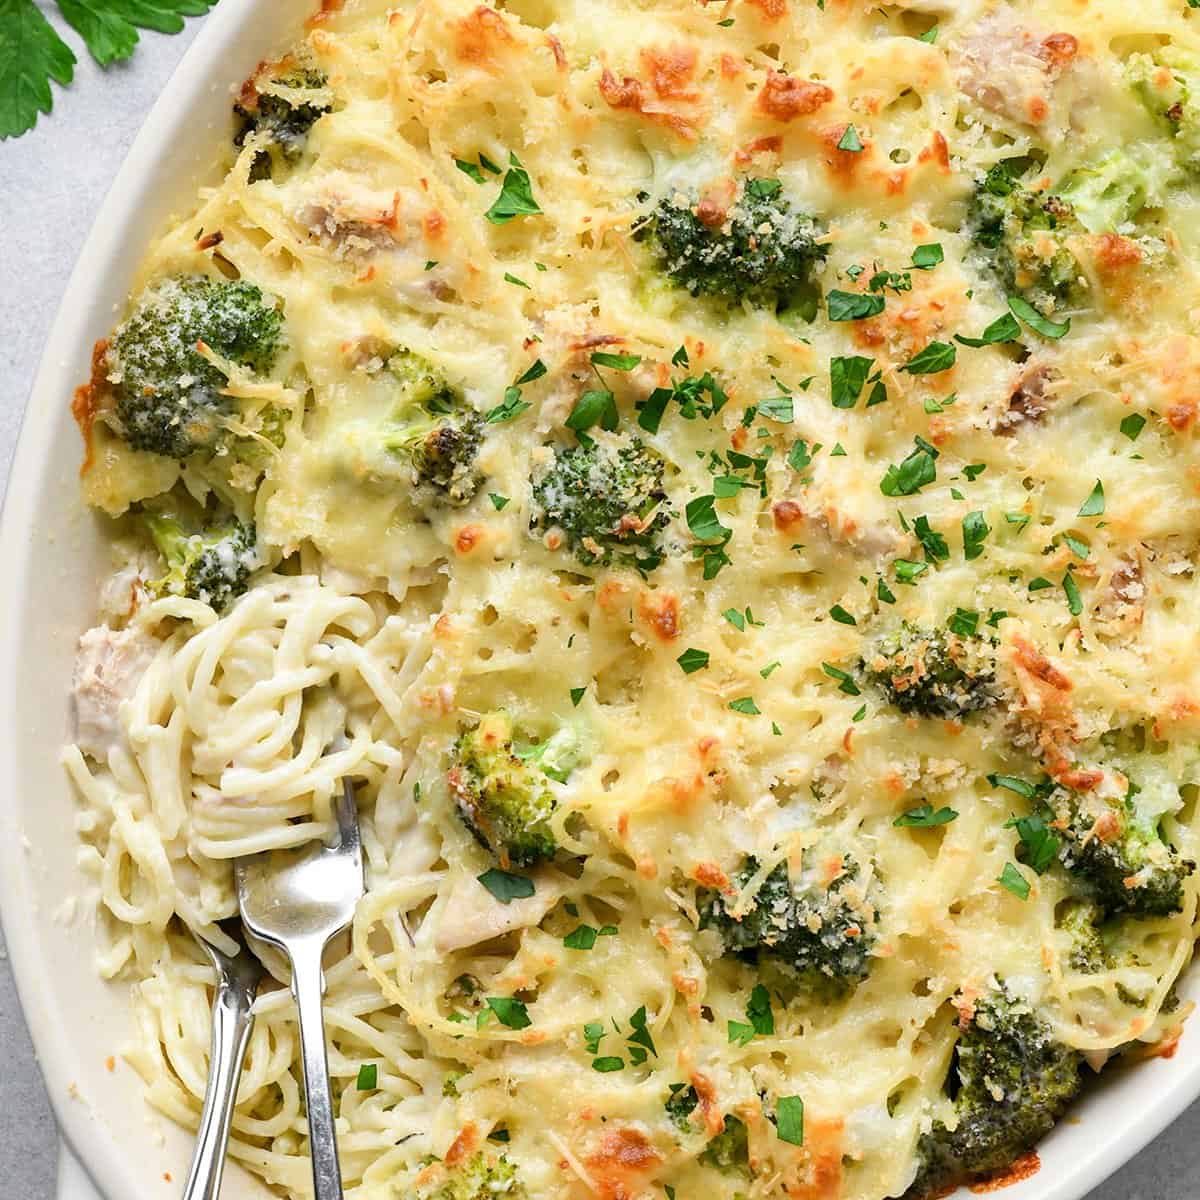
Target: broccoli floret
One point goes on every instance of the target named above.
(1023, 237)
(1113, 190)
(212, 563)
(480, 1178)
(1080, 921)
(168, 395)
(762, 250)
(1165, 82)
(1116, 852)
(500, 788)
(812, 934)
(728, 1150)
(432, 431)
(281, 108)
(938, 674)
(1010, 1081)
(606, 499)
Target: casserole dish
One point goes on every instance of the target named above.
(54, 554)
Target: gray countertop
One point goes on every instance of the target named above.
(51, 183)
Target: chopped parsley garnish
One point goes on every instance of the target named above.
(1093, 506)
(498, 501)
(778, 408)
(516, 195)
(924, 817)
(506, 886)
(470, 170)
(910, 476)
(935, 358)
(692, 660)
(509, 1012)
(1012, 879)
(853, 306)
(1078, 548)
(850, 141)
(509, 278)
(760, 1020)
(847, 377)
(608, 1063)
(841, 616)
(935, 545)
(368, 1077)
(1133, 425)
(594, 407)
(1030, 316)
(908, 571)
(928, 256)
(577, 694)
(745, 705)
(1005, 328)
(789, 1120)
(845, 679)
(616, 362)
(1074, 599)
(964, 622)
(1039, 844)
(974, 530)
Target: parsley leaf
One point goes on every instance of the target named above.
(618, 362)
(510, 1012)
(692, 660)
(853, 306)
(789, 1120)
(746, 706)
(847, 376)
(31, 54)
(506, 886)
(1014, 881)
(108, 26)
(841, 616)
(595, 407)
(851, 141)
(964, 622)
(1039, 845)
(1034, 319)
(935, 545)
(511, 407)
(778, 408)
(368, 1077)
(581, 938)
(703, 521)
(1074, 599)
(926, 257)
(974, 530)
(913, 473)
(845, 679)
(935, 358)
(923, 817)
(516, 195)
(1005, 328)
(1133, 425)
(1093, 506)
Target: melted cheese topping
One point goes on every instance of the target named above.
(405, 622)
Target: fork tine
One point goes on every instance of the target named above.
(346, 812)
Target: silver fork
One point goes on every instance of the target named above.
(238, 977)
(297, 900)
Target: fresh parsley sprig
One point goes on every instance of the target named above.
(32, 54)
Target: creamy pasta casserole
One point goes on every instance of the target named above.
(730, 473)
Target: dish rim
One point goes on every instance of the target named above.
(204, 71)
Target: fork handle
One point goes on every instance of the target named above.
(308, 988)
(231, 1025)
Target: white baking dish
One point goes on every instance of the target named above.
(51, 553)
